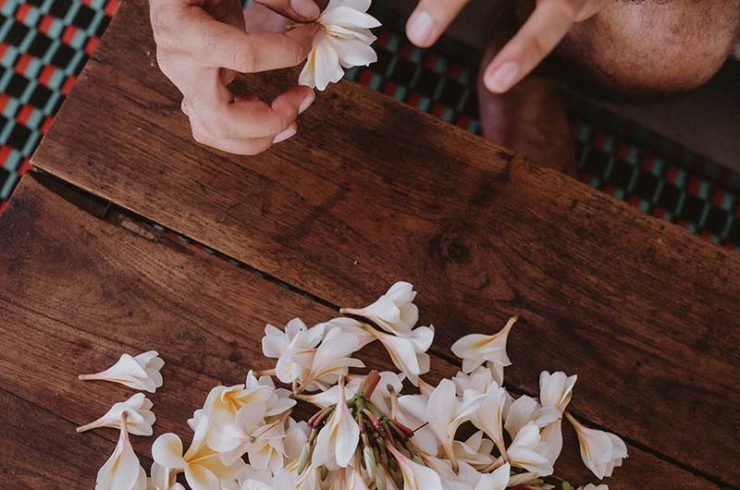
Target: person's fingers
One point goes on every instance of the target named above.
(297, 10)
(539, 35)
(430, 19)
(247, 117)
(247, 146)
(216, 44)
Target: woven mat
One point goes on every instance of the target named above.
(44, 45)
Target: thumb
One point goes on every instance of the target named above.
(297, 10)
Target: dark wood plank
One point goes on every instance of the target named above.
(30, 454)
(370, 192)
(78, 291)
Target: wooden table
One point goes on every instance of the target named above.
(368, 193)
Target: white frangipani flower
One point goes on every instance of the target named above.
(279, 401)
(122, 471)
(601, 451)
(496, 480)
(465, 477)
(591, 486)
(476, 450)
(203, 467)
(556, 389)
(488, 416)
(296, 437)
(524, 452)
(446, 412)
(476, 349)
(163, 479)
(343, 42)
(139, 416)
(526, 409)
(389, 382)
(332, 358)
(330, 397)
(263, 441)
(224, 402)
(411, 411)
(293, 347)
(140, 372)
(408, 353)
(338, 439)
(415, 475)
(394, 312)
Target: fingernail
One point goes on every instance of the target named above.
(502, 77)
(305, 8)
(306, 103)
(420, 27)
(284, 135)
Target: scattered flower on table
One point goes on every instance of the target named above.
(139, 416)
(343, 42)
(601, 451)
(367, 430)
(140, 372)
(122, 470)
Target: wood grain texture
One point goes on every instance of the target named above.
(79, 291)
(371, 192)
(30, 455)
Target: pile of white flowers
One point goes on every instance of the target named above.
(366, 429)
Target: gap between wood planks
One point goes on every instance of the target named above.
(148, 229)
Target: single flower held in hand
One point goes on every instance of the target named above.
(343, 42)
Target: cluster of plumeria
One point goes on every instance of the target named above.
(342, 42)
(378, 430)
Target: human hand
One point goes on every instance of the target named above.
(543, 30)
(202, 44)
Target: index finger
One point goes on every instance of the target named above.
(539, 35)
(219, 45)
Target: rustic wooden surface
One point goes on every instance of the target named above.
(78, 291)
(370, 192)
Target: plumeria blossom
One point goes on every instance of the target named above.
(601, 451)
(279, 400)
(293, 347)
(140, 372)
(446, 413)
(139, 416)
(488, 416)
(591, 486)
(408, 353)
(416, 476)
(369, 430)
(524, 452)
(251, 434)
(202, 466)
(338, 440)
(343, 42)
(411, 410)
(333, 357)
(122, 470)
(394, 312)
(476, 450)
(476, 349)
(163, 479)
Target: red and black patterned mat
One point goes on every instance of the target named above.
(44, 45)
